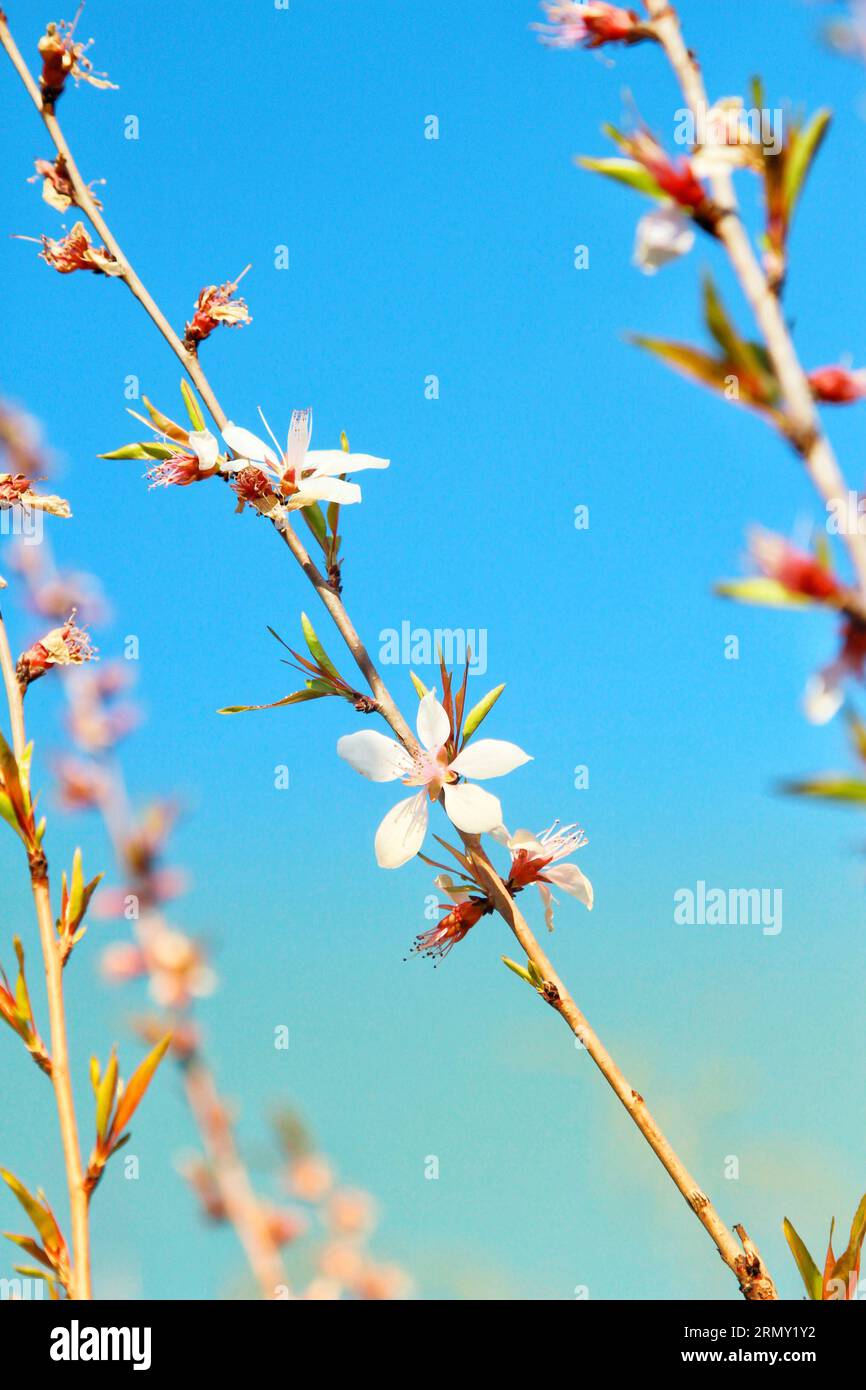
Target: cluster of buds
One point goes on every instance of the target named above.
(63, 57)
(216, 305)
(16, 490)
(570, 25)
(116, 1103)
(75, 251)
(68, 645)
(50, 1250)
(17, 1011)
(74, 902)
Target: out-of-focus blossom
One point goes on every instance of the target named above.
(310, 1177)
(201, 1180)
(591, 25)
(351, 1213)
(825, 695)
(380, 1283)
(663, 235)
(216, 305)
(68, 645)
(184, 467)
(727, 141)
(342, 1261)
(382, 759)
(300, 475)
(535, 860)
(21, 447)
(63, 57)
(16, 491)
(75, 251)
(322, 1291)
(81, 786)
(285, 1226)
(175, 964)
(837, 385)
(797, 570)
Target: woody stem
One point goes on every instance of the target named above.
(60, 1072)
(754, 1281)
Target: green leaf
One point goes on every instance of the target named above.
(690, 361)
(35, 1251)
(105, 1096)
(626, 171)
(315, 519)
(805, 144)
(296, 698)
(420, 687)
(163, 423)
(41, 1217)
(518, 970)
(809, 1272)
(480, 711)
(136, 1086)
(832, 787)
(849, 1261)
(317, 651)
(761, 590)
(193, 409)
(131, 451)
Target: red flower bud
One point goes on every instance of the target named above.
(837, 385)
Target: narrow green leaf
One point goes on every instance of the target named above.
(480, 711)
(315, 519)
(42, 1218)
(833, 787)
(805, 145)
(105, 1096)
(296, 698)
(809, 1272)
(136, 1086)
(761, 590)
(317, 651)
(132, 451)
(420, 687)
(193, 409)
(625, 171)
(518, 970)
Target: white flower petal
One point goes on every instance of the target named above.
(334, 461)
(298, 439)
(457, 892)
(822, 698)
(205, 447)
(379, 758)
(501, 833)
(401, 834)
(569, 878)
(329, 490)
(433, 724)
(548, 899)
(524, 839)
(248, 445)
(662, 236)
(472, 808)
(489, 757)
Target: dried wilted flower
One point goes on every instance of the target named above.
(62, 57)
(80, 785)
(16, 491)
(68, 645)
(75, 251)
(20, 444)
(57, 187)
(216, 305)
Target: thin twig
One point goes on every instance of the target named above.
(804, 426)
(80, 1287)
(753, 1279)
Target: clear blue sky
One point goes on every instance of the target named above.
(411, 257)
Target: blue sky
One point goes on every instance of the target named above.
(261, 128)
